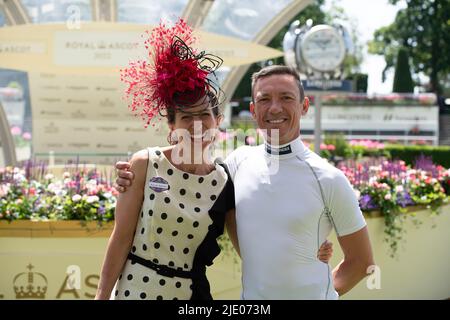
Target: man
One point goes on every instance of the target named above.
(287, 201)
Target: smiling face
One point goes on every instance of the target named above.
(277, 106)
(198, 124)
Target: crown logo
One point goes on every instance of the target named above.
(30, 285)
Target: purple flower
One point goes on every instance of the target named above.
(366, 202)
(101, 211)
(404, 199)
(426, 164)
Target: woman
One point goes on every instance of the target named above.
(167, 223)
(170, 218)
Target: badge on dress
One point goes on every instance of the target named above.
(158, 184)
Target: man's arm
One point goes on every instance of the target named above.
(230, 223)
(125, 177)
(358, 258)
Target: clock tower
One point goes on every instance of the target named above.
(317, 51)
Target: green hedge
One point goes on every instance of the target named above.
(439, 154)
(361, 151)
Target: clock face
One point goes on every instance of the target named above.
(323, 48)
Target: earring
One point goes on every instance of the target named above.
(172, 140)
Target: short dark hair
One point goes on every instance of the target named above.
(214, 105)
(277, 69)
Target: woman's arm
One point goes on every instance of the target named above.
(126, 216)
(230, 223)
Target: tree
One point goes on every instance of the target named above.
(423, 28)
(402, 78)
(360, 81)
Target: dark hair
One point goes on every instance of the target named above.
(213, 104)
(277, 69)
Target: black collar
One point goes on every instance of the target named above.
(286, 150)
(279, 151)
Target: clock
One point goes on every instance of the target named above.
(322, 48)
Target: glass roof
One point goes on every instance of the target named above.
(45, 11)
(149, 12)
(235, 18)
(242, 18)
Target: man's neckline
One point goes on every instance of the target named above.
(288, 150)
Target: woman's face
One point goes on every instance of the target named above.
(198, 125)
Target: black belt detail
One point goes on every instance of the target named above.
(165, 270)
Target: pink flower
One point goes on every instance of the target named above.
(323, 146)
(251, 140)
(26, 136)
(331, 147)
(388, 196)
(32, 191)
(224, 135)
(16, 131)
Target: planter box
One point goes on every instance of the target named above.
(57, 229)
(52, 254)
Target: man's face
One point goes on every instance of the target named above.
(277, 106)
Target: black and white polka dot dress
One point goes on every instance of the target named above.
(182, 215)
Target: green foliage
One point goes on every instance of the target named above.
(341, 147)
(360, 81)
(428, 192)
(402, 77)
(337, 146)
(439, 154)
(227, 248)
(423, 28)
(313, 12)
(244, 88)
(383, 195)
(362, 151)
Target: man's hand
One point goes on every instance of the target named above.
(124, 176)
(325, 251)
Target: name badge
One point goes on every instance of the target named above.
(158, 184)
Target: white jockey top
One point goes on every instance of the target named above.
(287, 201)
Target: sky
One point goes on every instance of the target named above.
(370, 15)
